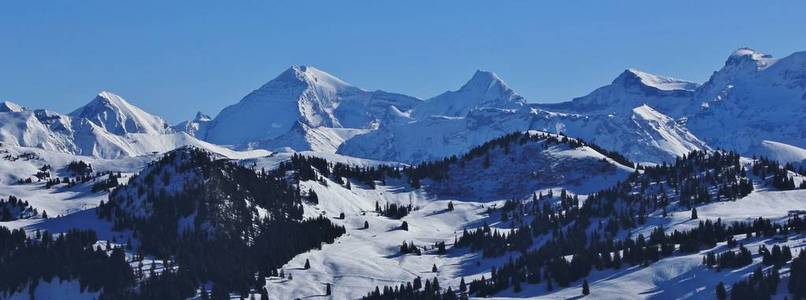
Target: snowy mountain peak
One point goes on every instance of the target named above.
(744, 55)
(308, 76)
(8, 106)
(634, 76)
(201, 117)
(483, 81)
(114, 114)
(484, 90)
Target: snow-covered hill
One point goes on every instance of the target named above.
(519, 164)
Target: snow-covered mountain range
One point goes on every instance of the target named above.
(754, 101)
(648, 117)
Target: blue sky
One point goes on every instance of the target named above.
(173, 59)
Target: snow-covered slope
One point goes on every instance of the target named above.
(518, 167)
(435, 137)
(642, 135)
(303, 137)
(631, 89)
(781, 152)
(301, 94)
(751, 99)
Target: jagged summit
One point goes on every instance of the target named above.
(8, 106)
(114, 114)
(634, 76)
(484, 90)
(201, 117)
(305, 77)
(484, 80)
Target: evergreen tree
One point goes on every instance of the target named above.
(693, 213)
(585, 288)
(307, 264)
(434, 268)
(404, 226)
(462, 285)
(366, 225)
(721, 293)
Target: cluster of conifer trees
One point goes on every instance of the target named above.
(25, 261)
(104, 184)
(313, 168)
(15, 208)
(797, 276)
(780, 179)
(393, 210)
(729, 259)
(759, 285)
(415, 289)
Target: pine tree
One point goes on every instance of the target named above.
(404, 226)
(721, 293)
(366, 225)
(462, 285)
(307, 264)
(693, 213)
(434, 268)
(585, 288)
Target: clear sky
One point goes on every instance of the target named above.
(173, 58)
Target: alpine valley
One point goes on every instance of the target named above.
(311, 187)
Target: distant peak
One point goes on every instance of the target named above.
(8, 106)
(114, 114)
(483, 80)
(109, 97)
(634, 76)
(306, 75)
(749, 52)
(201, 117)
(747, 55)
